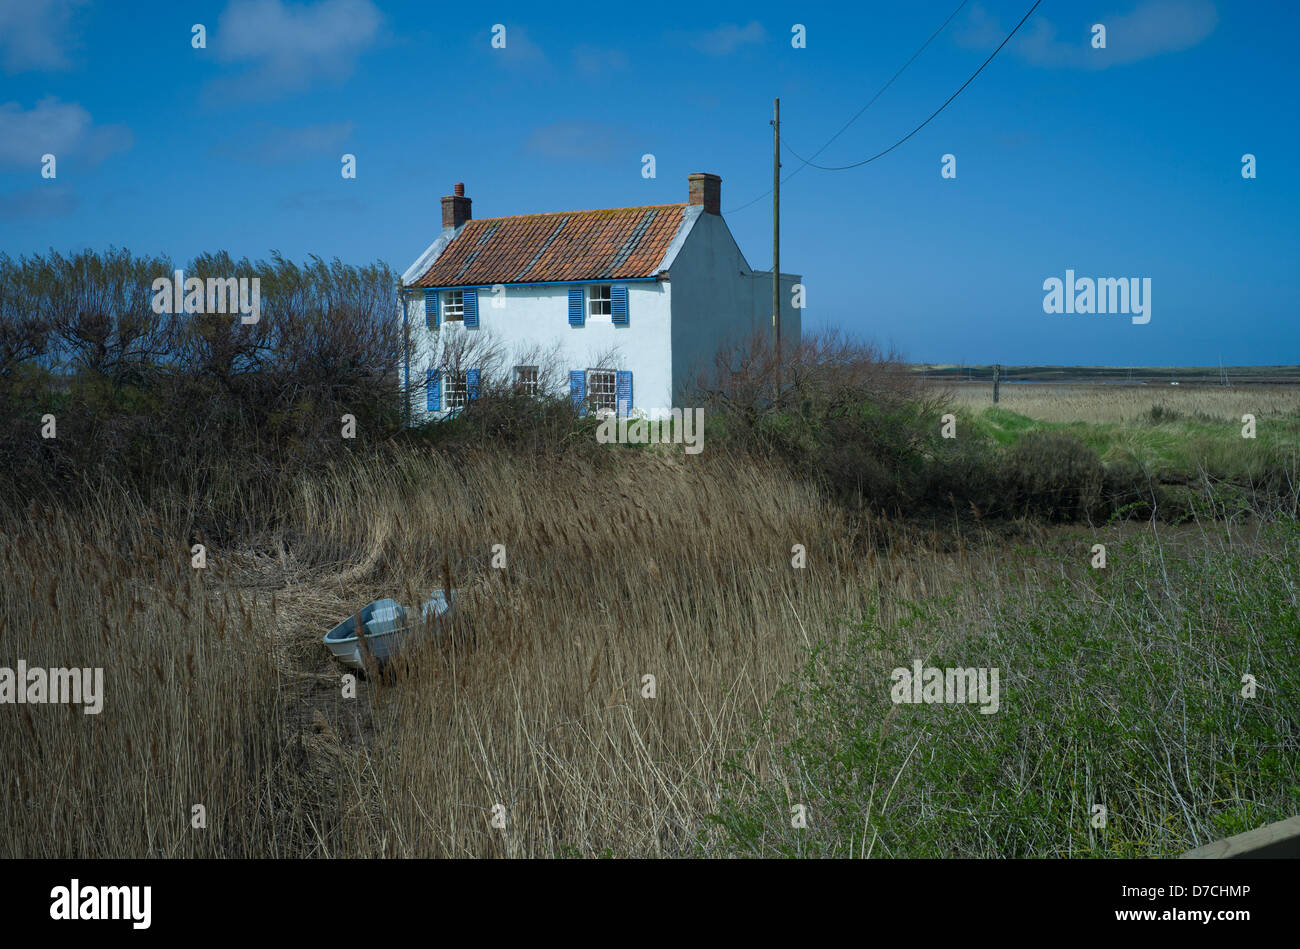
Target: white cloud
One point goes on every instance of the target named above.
(520, 50)
(37, 34)
(576, 141)
(319, 201)
(58, 128)
(286, 47)
(1159, 26)
(48, 199)
(599, 60)
(277, 144)
(727, 38)
(1154, 27)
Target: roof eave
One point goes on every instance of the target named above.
(430, 256)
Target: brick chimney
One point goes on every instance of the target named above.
(706, 189)
(456, 207)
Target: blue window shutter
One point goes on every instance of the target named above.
(434, 391)
(623, 393)
(577, 310)
(618, 304)
(471, 307)
(431, 309)
(578, 389)
(471, 379)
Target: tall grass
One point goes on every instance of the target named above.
(1120, 688)
(220, 694)
(191, 707)
(659, 567)
(619, 565)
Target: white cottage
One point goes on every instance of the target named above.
(629, 303)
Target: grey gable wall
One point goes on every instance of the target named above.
(717, 300)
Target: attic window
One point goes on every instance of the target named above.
(598, 302)
(453, 306)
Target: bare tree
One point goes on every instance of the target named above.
(99, 306)
(25, 327)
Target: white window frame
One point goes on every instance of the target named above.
(453, 306)
(600, 308)
(455, 391)
(605, 401)
(528, 380)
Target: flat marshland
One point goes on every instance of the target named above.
(1093, 403)
(1120, 687)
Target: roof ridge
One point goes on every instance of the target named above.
(632, 207)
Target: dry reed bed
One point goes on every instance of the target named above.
(656, 566)
(218, 691)
(190, 710)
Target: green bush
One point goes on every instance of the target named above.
(1160, 413)
(535, 426)
(1054, 476)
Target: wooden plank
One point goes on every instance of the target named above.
(1281, 839)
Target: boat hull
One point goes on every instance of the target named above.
(389, 628)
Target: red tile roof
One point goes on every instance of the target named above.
(560, 246)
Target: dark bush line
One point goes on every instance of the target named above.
(200, 402)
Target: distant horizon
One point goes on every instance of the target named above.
(1043, 365)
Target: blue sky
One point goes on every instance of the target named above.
(1122, 162)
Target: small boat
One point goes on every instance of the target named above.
(388, 627)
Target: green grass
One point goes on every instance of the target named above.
(1168, 444)
(1005, 427)
(1120, 687)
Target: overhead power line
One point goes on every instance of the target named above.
(858, 114)
(858, 164)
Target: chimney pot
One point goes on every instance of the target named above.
(706, 190)
(459, 190)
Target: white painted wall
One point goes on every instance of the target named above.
(537, 317)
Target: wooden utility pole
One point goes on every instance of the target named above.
(776, 237)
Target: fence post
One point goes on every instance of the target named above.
(997, 373)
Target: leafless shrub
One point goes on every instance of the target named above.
(552, 371)
(829, 372)
(460, 350)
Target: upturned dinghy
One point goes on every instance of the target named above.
(388, 627)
